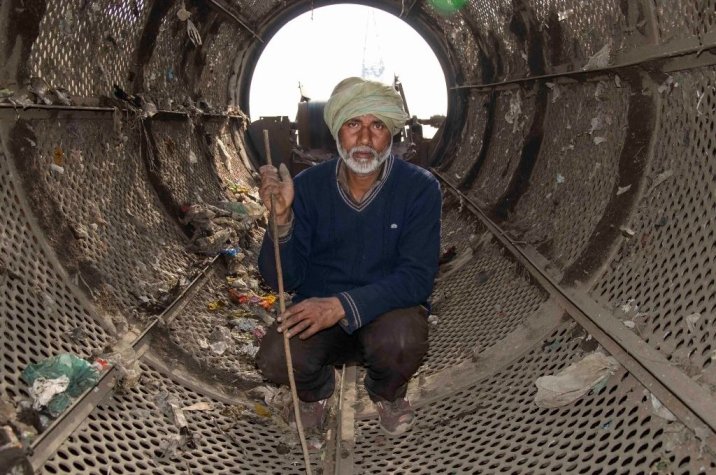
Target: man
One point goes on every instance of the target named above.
(359, 241)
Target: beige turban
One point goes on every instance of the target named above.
(354, 97)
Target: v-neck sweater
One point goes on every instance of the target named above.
(375, 256)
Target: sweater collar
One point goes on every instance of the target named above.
(342, 181)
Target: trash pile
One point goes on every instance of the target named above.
(240, 317)
(52, 385)
(38, 91)
(217, 228)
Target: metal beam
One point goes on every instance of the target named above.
(234, 16)
(676, 55)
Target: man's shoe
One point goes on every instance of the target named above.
(396, 417)
(313, 414)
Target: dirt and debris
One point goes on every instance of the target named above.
(575, 381)
(216, 228)
(36, 91)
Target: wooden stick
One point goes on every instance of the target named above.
(282, 307)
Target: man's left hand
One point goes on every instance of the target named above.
(310, 316)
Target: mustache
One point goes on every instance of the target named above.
(363, 149)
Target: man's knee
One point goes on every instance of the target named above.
(271, 359)
(399, 338)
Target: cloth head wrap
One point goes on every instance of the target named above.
(354, 97)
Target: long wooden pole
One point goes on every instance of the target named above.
(282, 307)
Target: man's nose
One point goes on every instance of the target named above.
(364, 136)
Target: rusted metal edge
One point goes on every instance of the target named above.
(55, 435)
(688, 401)
(638, 57)
(235, 17)
(345, 440)
(41, 111)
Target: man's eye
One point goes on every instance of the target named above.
(379, 125)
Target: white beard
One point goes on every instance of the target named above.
(360, 166)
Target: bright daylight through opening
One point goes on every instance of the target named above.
(317, 49)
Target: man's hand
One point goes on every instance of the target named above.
(311, 316)
(282, 189)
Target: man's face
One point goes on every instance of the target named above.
(364, 143)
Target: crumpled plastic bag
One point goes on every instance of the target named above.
(574, 381)
(81, 375)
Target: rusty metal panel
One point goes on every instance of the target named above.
(477, 307)
(684, 19)
(116, 233)
(87, 47)
(42, 312)
(185, 172)
(128, 434)
(213, 84)
(514, 113)
(472, 140)
(661, 278)
(576, 170)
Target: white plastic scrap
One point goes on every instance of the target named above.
(629, 323)
(668, 85)
(513, 115)
(600, 59)
(630, 306)
(57, 169)
(627, 232)
(249, 350)
(574, 381)
(662, 177)
(43, 390)
(560, 179)
(199, 406)
(554, 87)
(623, 189)
(563, 15)
(193, 33)
(183, 14)
(691, 321)
(599, 140)
(659, 409)
(192, 158)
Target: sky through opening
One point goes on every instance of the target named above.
(320, 48)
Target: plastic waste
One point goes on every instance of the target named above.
(219, 340)
(574, 381)
(57, 380)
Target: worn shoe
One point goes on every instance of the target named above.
(313, 414)
(396, 417)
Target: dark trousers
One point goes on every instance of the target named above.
(390, 347)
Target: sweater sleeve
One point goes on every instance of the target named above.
(411, 281)
(294, 247)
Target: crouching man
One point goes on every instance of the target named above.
(359, 241)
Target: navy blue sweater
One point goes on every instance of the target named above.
(375, 257)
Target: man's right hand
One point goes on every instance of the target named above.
(282, 189)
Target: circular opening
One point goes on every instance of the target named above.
(319, 48)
